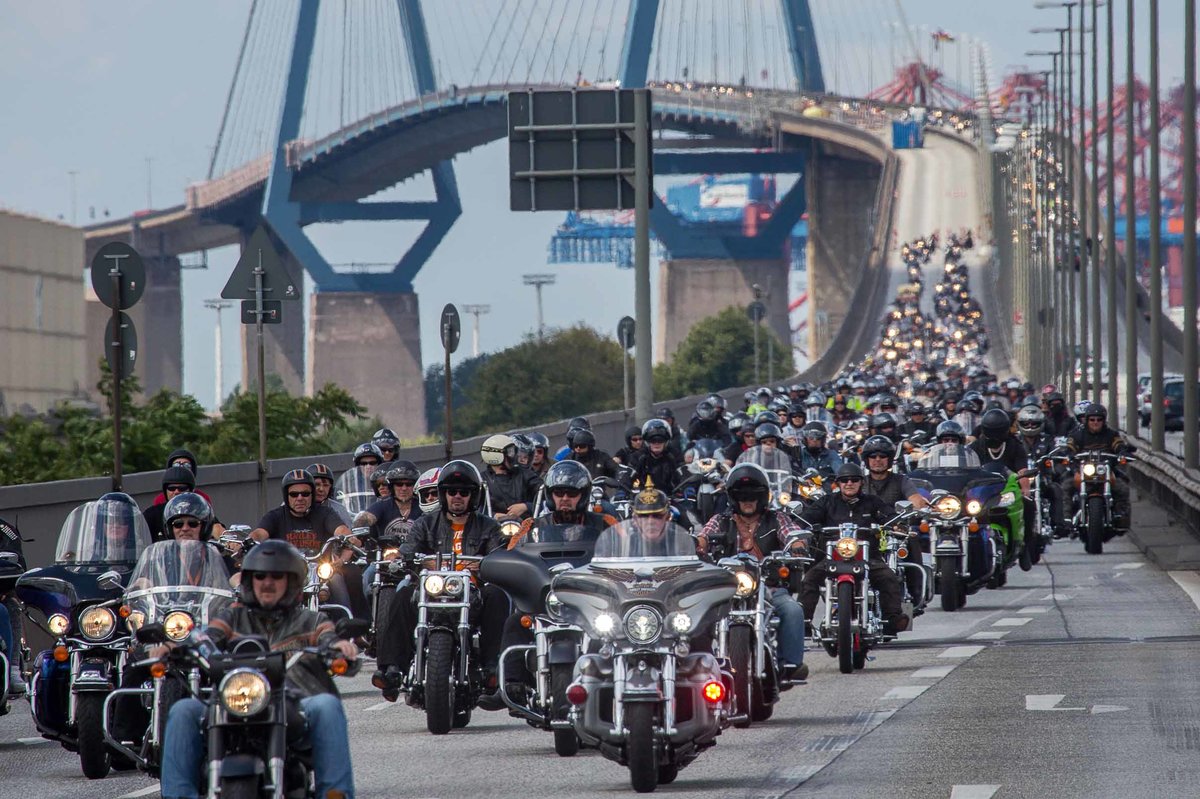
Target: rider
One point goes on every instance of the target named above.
(388, 443)
(1059, 421)
(1096, 436)
(815, 454)
(656, 460)
(399, 507)
(323, 491)
(597, 461)
(878, 453)
(849, 504)
(917, 421)
(176, 480)
(1031, 427)
(766, 453)
(750, 527)
(273, 576)
(708, 422)
(512, 488)
(633, 444)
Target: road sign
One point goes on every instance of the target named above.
(272, 312)
(277, 283)
(626, 332)
(756, 311)
(125, 347)
(573, 150)
(119, 256)
(451, 327)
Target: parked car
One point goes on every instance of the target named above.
(1145, 396)
(1173, 404)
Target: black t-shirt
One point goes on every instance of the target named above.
(1012, 453)
(387, 515)
(306, 533)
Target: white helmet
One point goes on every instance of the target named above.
(428, 480)
(497, 448)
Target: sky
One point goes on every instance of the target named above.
(116, 107)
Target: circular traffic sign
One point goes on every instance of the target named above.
(626, 332)
(116, 263)
(756, 311)
(451, 327)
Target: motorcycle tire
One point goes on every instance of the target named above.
(95, 758)
(845, 634)
(667, 773)
(640, 750)
(462, 718)
(439, 682)
(1034, 545)
(860, 657)
(1025, 558)
(239, 787)
(949, 584)
(566, 742)
(1095, 526)
(383, 604)
(741, 664)
(762, 703)
(173, 689)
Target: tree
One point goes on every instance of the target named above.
(295, 425)
(569, 372)
(461, 378)
(718, 353)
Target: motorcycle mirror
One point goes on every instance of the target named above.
(352, 628)
(903, 506)
(241, 530)
(110, 581)
(152, 633)
(360, 531)
(1027, 473)
(559, 568)
(11, 557)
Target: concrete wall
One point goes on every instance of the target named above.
(691, 290)
(41, 312)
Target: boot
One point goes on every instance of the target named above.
(16, 681)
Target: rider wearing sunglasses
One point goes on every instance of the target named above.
(850, 505)
(299, 521)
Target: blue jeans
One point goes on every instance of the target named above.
(183, 747)
(791, 626)
(6, 633)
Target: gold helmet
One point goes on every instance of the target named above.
(650, 502)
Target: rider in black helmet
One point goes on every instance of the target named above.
(633, 443)
(596, 461)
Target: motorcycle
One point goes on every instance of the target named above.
(1092, 518)
(77, 599)
(525, 573)
(180, 585)
(705, 478)
(645, 698)
(249, 754)
(895, 545)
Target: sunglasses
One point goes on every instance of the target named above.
(635, 438)
(849, 479)
(185, 524)
(877, 455)
(386, 450)
(298, 494)
(404, 483)
(1095, 418)
(566, 492)
(260, 576)
(428, 493)
(457, 492)
(177, 488)
(369, 463)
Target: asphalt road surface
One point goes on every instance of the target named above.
(1080, 678)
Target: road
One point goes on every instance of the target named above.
(1081, 678)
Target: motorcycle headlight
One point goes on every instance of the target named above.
(554, 606)
(847, 548)
(454, 586)
(784, 498)
(680, 622)
(325, 570)
(97, 623)
(642, 625)
(244, 692)
(58, 624)
(745, 583)
(974, 506)
(136, 619)
(604, 623)
(1101, 470)
(947, 507)
(510, 528)
(434, 584)
(1089, 470)
(1007, 498)
(178, 625)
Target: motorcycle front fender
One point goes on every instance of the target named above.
(563, 652)
(642, 687)
(242, 766)
(94, 674)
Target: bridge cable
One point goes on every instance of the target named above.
(549, 66)
(562, 75)
(483, 53)
(232, 85)
(520, 43)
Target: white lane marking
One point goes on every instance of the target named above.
(378, 706)
(1056, 597)
(1033, 609)
(153, 789)
(1011, 622)
(973, 791)
(961, 652)
(933, 672)
(1047, 702)
(1129, 565)
(989, 635)
(1190, 583)
(33, 741)
(1107, 709)
(906, 692)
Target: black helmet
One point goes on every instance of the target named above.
(378, 480)
(768, 430)
(1053, 397)
(748, 481)
(877, 445)
(950, 429)
(706, 410)
(320, 471)
(401, 471)
(814, 430)
(584, 438)
(766, 417)
(188, 504)
(916, 408)
(995, 424)
(569, 474)
(384, 438)
(183, 456)
(540, 440)
(666, 413)
(580, 421)
(297, 477)
(274, 555)
(656, 430)
(461, 474)
(849, 469)
(882, 420)
(367, 450)
(650, 502)
(797, 409)
(524, 444)
(717, 401)
(1096, 409)
(737, 421)
(178, 475)
(630, 432)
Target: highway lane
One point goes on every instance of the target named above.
(945, 708)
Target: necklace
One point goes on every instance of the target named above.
(996, 453)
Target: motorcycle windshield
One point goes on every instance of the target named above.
(949, 457)
(560, 534)
(103, 531)
(645, 538)
(706, 448)
(353, 489)
(179, 575)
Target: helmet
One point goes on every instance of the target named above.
(815, 400)
(579, 421)
(178, 475)
(748, 481)
(296, 477)
(1031, 400)
(718, 401)
(765, 417)
(780, 406)
(706, 410)
(188, 504)
(768, 430)
(427, 495)
(666, 413)
(274, 555)
(1081, 408)
(748, 396)
(384, 438)
(1096, 409)
(650, 502)
(1030, 420)
(882, 420)
(320, 470)
(763, 391)
(498, 449)
(402, 470)
(849, 469)
(797, 408)
(876, 445)
(540, 440)
(524, 444)
(815, 430)
(571, 433)
(367, 450)
(378, 480)
(656, 430)
(975, 398)
(185, 457)
(951, 429)
(569, 474)
(1052, 397)
(460, 473)
(584, 438)
(995, 424)
(916, 408)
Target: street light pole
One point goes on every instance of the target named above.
(477, 311)
(537, 281)
(218, 359)
(1110, 238)
(1157, 438)
(1131, 253)
(1097, 272)
(1191, 446)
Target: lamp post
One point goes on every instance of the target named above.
(537, 281)
(1131, 254)
(218, 381)
(1157, 437)
(1191, 447)
(1110, 237)
(1051, 187)
(477, 311)
(1097, 272)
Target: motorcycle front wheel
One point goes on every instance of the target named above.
(95, 758)
(741, 663)
(439, 682)
(845, 635)
(640, 750)
(566, 742)
(948, 585)
(239, 787)
(1095, 525)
